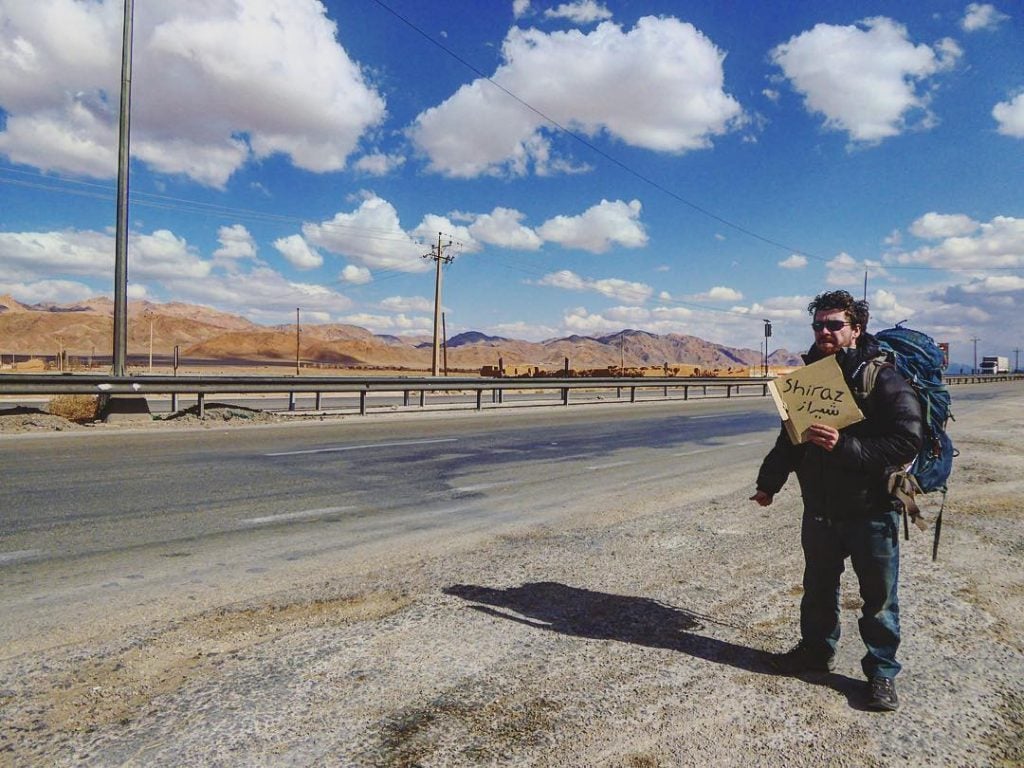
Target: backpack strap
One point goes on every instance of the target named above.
(904, 488)
(866, 374)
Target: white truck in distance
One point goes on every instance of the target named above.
(995, 364)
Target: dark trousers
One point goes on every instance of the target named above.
(873, 546)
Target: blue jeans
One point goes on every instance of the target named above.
(873, 546)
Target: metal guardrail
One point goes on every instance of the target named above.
(201, 386)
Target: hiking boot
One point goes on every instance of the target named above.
(882, 694)
(800, 660)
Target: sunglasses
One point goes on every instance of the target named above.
(832, 325)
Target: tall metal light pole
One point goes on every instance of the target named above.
(121, 239)
(767, 335)
(298, 338)
(438, 256)
(975, 339)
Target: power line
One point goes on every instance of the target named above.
(635, 173)
(597, 150)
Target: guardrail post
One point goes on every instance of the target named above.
(479, 399)
(291, 401)
(686, 391)
(618, 392)
(565, 395)
(174, 402)
(664, 392)
(423, 397)
(202, 405)
(362, 403)
(705, 390)
(728, 390)
(764, 390)
(405, 398)
(318, 398)
(632, 394)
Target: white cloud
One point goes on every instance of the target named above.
(41, 255)
(936, 226)
(886, 308)
(981, 16)
(356, 275)
(794, 261)
(1010, 116)
(432, 225)
(503, 227)
(407, 304)
(996, 284)
(520, 8)
(523, 330)
(622, 290)
(298, 253)
(587, 82)
(379, 164)
(45, 291)
(771, 94)
(579, 320)
(214, 84)
(163, 255)
(863, 78)
(399, 323)
(598, 228)
(371, 236)
(261, 294)
(235, 243)
(998, 243)
(718, 293)
(579, 12)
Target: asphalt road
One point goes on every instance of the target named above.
(145, 516)
(85, 494)
(157, 520)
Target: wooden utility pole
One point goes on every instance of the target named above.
(438, 255)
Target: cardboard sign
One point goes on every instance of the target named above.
(814, 394)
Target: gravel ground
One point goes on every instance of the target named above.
(633, 635)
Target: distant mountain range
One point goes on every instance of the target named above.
(201, 333)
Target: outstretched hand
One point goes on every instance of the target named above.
(763, 498)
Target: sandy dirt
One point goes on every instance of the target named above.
(635, 636)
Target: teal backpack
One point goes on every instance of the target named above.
(920, 361)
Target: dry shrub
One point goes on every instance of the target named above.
(77, 408)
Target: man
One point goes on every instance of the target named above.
(848, 511)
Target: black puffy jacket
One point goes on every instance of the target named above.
(851, 479)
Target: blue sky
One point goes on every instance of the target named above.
(674, 167)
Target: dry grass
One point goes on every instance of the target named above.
(77, 408)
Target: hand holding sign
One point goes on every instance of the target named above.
(816, 394)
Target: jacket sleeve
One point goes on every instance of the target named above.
(898, 428)
(780, 461)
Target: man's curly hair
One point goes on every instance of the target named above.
(856, 311)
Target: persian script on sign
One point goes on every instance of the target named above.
(814, 394)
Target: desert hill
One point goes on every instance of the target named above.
(85, 329)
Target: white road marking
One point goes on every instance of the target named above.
(338, 448)
(716, 448)
(19, 554)
(475, 488)
(612, 464)
(286, 516)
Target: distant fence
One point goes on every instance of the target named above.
(200, 387)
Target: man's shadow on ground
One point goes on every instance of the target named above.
(555, 607)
